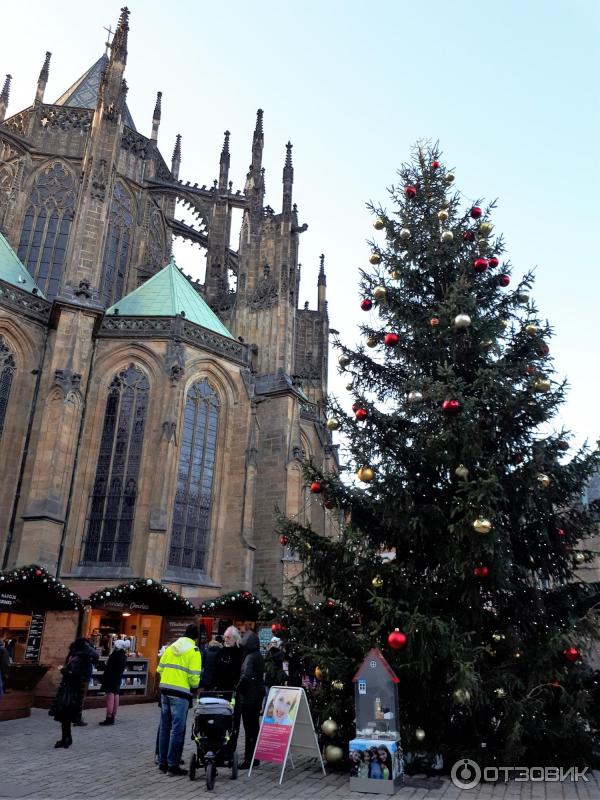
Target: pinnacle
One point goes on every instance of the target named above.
(157, 107)
(45, 67)
(177, 148)
(6, 89)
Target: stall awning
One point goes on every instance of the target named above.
(31, 588)
(239, 605)
(143, 595)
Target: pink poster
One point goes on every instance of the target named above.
(277, 724)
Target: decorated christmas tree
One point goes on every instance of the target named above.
(460, 536)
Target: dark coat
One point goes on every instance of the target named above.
(86, 655)
(4, 662)
(210, 666)
(251, 686)
(275, 675)
(66, 706)
(229, 668)
(113, 672)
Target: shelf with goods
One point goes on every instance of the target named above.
(134, 680)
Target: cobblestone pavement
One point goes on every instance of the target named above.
(117, 763)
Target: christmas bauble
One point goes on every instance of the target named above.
(468, 236)
(397, 639)
(283, 540)
(366, 304)
(543, 480)
(365, 474)
(371, 342)
(379, 224)
(531, 329)
(579, 558)
(435, 164)
(481, 572)
(447, 236)
(329, 727)
(419, 734)
(356, 406)
(405, 233)
(493, 262)
(414, 397)
(476, 212)
(462, 321)
(332, 424)
(337, 685)
(451, 407)
(485, 228)
(461, 472)
(442, 215)
(480, 264)
(482, 525)
(379, 293)
(571, 654)
(377, 582)
(461, 696)
(543, 350)
(333, 754)
(375, 258)
(504, 280)
(410, 192)
(542, 385)
(316, 487)
(498, 637)
(361, 414)
(328, 504)
(320, 674)
(500, 693)
(523, 298)
(391, 339)
(395, 275)
(276, 628)
(349, 386)
(449, 177)
(561, 532)
(343, 361)
(562, 445)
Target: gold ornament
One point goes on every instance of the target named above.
(333, 754)
(414, 397)
(462, 696)
(523, 298)
(329, 727)
(395, 275)
(447, 236)
(405, 233)
(349, 386)
(485, 228)
(343, 361)
(579, 558)
(542, 385)
(482, 525)
(332, 424)
(320, 673)
(377, 582)
(461, 472)
(449, 177)
(504, 324)
(375, 258)
(543, 480)
(462, 321)
(379, 293)
(365, 474)
(337, 685)
(442, 215)
(500, 693)
(498, 637)
(419, 734)
(371, 342)
(379, 224)
(531, 329)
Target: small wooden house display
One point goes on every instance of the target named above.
(376, 763)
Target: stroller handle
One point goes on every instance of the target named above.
(225, 694)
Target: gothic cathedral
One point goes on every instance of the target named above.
(150, 425)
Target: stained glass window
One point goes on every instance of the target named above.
(193, 499)
(46, 227)
(112, 501)
(118, 245)
(7, 370)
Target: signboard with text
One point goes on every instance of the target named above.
(34, 637)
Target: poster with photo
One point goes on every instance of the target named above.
(375, 759)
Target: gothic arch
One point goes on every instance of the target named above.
(116, 358)
(213, 370)
(20, 341)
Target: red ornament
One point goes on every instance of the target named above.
(481, 572)
(504, 280)
(391, 339)
(562, 445)
(476, 212)
(561, 532)
(480, 264)
(451, 407)
(435, 164)
(316, 487)
(355, 407)
(468, 236)
(283, 540)
(397, 639)
(543, 350)
(571, 654)
(366, 304)
(493, 262)
(38, 572)
(328, 504)
(276, 628)
(361, 414)
(410, 192)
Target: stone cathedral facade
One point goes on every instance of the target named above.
(150, 425)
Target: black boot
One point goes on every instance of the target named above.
(110, 720)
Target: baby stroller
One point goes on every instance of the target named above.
(212, 732)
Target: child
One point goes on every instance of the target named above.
(278, 711)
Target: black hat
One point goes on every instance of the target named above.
(191, 632)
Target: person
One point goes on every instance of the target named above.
(228, 674)
(275, 674)
(248, 629)
(375, 767)
(384, 758)
(210, 664)
(4, 665)
(179, 669)
(250, 693)
(111, 679)
(87, 659)
(358, 768)
(67, 704)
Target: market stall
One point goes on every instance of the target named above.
(240, 608)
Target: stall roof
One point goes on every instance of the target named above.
(32, 588)
(144, 594)
(240, 603)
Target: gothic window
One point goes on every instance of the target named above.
(7, 370)
(118, 245)
(46, 227)
(193, 499)
(112, 502)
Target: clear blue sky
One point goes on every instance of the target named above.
(509, 89)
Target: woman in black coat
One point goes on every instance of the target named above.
(111, 679)
(251, 693)
(66, 706)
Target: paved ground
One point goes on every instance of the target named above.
(117, 763)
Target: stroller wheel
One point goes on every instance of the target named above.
(193, 766)
(211, 773)
(234, 766)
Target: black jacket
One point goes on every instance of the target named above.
(228, 668)
(85, 656)
(251, 686)
(210, 666)
(4, 662)
(113, 672)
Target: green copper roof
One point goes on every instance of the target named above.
(13, 272)
(168, 294)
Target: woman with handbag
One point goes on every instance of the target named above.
(66, 706)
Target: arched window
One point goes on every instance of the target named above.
(46, 227)
(193, 499)
(118, 245)
(112, 502)
(7, 370)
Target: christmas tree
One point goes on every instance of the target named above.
(459, 539)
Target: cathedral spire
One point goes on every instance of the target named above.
(4, 94)
(43, 80)
(156, 117)
(288, 180)
(176, 159)
(112, 91)
(118, 46)
(224, 163)
(322, 285)
(258, 141)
